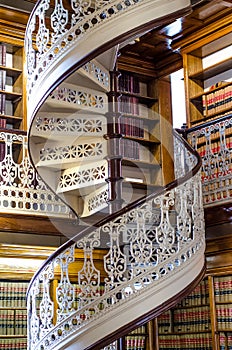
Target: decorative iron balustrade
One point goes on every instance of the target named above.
(213, 141)
(22, 191)
(141, 246)
(60, 30)
(66, 28)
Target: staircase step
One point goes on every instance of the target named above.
(87, 177)
(95, 201)
(64, 155)
(70, 97)
(60, 126)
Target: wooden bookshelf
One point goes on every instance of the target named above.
(12, 100)
(140, 104)
(208, 86)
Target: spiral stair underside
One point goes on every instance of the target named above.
(69, 143)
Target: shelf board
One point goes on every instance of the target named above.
(13, 336)
(11, 117)
(142, 140)
(142, 185)
(11, 72)
(143, 99)
(186, 332)
(212, 116)
(199, 96)
(11, 96)
(136, 116)
(139, 163)
(212, 71)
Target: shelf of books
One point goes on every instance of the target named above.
(202, 320)
(187, 325)
(223, 303)
(13, 314)
(136, 340)
(208, 76)
(139, 126)
(11, 85)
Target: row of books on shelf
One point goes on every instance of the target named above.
(199, 296)
(224, 316)
(133, 150)
(128, 83)
(131, 126)
(13, 344)
(13, 322)
(216, 101)
(225, 341)
(2, 54)
(13, 294)
(201, 341)
(223, 289)
(137, 342)
(213, 197)
(185, 320)
(129, 105)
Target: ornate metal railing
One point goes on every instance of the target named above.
(60, 30)
(141, 246)
(21, 190)
(213, 141)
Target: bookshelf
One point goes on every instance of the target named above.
(140, 127)
(202, 320)
(13, 314)
(208, 80)
(11, 84)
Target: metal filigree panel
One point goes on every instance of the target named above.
(21, 190)
(83, 176)
(78, 98)
(94, 150)
(85, 17)
(58, 124)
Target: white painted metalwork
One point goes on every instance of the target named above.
(22, 191)
(139, 253)
(60, 37)
(214, 144)
(78, 97)
(149, 252)
(88, 175)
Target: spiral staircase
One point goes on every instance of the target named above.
(135, 252)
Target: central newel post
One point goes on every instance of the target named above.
(113, 136)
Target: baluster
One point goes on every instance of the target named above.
(165, 232)
(42, 36)
(65, 290)
(33, 319)
(115, 259)
(89, 275)
(59, 20)
(46, 305)
(184, 221)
